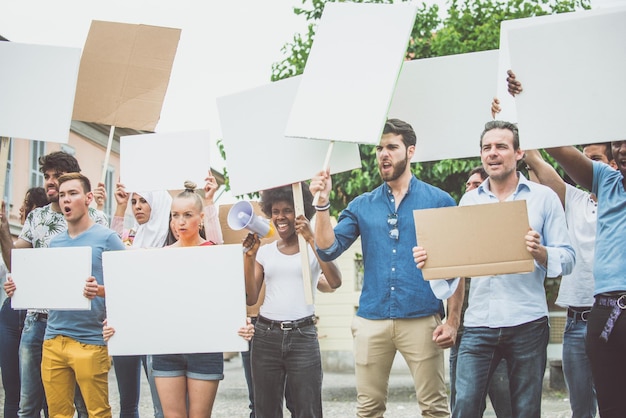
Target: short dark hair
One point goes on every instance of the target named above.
(480, 171)
(36, 197)
(285, 194)
(59, 161)
(400, 127)
(500, 124)
(607, 149)
(84, 181)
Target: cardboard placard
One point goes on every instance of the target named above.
(571, 72)
(472, 241)
(351, 72)
(124, 73)
(175, 287)
(258, 154)
(447, 108)
(164, 161)
(37, 87)
(50, 278)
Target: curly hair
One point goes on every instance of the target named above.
(59, 161)
(285, 194)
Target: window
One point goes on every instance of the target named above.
(37, 149)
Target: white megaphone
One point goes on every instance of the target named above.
(242, 215)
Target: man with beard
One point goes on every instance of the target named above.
(41, 225)
(397, 311)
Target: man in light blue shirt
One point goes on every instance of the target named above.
(507, 315)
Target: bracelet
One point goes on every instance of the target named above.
(322, 208)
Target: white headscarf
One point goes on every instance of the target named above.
(153, 233)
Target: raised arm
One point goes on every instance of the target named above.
(324, 234)
(545, 173)
(575, 164)
(212, 226)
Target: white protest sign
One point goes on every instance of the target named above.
(37, 86)
(447, 107)
(194, 298)
(50, 278)
(164, 161)
(351, 72)
(258, 156)
(572, 75)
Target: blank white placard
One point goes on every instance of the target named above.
(175, 300)
(37, 87)
(447, 107)
(572, 75)
(351, 72)
(50, 278)
(164, 161)
(258, 155)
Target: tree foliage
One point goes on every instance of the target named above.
(470, 26)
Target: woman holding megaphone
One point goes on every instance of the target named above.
(285, 352)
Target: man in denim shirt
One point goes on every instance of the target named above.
(397, 309)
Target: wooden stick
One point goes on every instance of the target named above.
(329, 152)
(107, 155)
(4, 160)
(298, 203)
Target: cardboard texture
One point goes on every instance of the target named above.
(351, 72)
(37, 87)
(473, 241)
(184, 284)
(124, 73)
(454, 119)
(45, 279)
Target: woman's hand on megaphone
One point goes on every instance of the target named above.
(251, 244)
(303, 227)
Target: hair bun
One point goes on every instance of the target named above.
(190, 186)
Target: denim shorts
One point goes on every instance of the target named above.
(200, 366)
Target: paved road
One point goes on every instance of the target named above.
(338, 393)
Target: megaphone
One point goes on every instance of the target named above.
(242, 215)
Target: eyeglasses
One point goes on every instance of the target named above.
(392, 220)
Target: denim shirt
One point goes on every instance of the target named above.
(393, 287)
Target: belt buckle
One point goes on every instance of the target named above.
(584, 315)
(621, 302)
(286, 325)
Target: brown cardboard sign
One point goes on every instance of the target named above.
(472, 241)
(124, 73)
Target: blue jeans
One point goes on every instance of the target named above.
(498, 388)
(128, 375)
(11, 324)
(525, 349)
(577, 370)
(32, 397)
(281, 358)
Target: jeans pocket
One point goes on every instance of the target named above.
(308, 332)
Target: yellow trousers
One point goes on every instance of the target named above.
(66, 362)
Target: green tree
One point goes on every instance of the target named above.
(470, 26)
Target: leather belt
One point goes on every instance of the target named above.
(618, 303)
(578, 314)
(287, 325)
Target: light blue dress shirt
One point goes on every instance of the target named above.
(513, 299)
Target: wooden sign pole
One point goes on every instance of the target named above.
(298, 202)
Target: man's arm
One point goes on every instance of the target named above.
(575, 164)
(545, 173)
(445, 334)
(324, 234)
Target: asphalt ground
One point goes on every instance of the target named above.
(339, 396)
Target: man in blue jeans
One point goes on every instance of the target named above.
(41, 225)
(507, 315)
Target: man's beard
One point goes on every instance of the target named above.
(398, 169)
